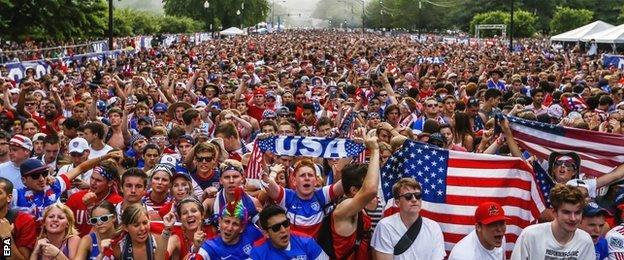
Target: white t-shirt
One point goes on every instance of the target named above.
(429, 244)
(97, 153)
(615, 238)
(12, 172)
(470, 248)
(538, 242)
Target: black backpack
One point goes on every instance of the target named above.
(326, 241)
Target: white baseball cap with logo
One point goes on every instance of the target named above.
(78, 145)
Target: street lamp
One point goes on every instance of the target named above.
(110, 25)
(207, 6)
(238, 13)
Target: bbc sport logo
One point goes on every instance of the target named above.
(6, 246)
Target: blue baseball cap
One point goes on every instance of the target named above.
(160, 107)
(593, 209)
(31, 166)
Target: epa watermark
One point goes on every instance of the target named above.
(6, 246)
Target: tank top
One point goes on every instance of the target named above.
(95, 249)
(344, 245)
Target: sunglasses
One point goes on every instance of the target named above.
(31, 104)
(277, 227)
(37, 175)
(204, 159)
(567, 164)
(432, 105)
(100, 220)
(411, 195)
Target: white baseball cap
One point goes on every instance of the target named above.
(78, 145)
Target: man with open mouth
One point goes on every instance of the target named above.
(487, 240)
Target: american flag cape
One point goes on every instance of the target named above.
(600, 152)
(455, 183)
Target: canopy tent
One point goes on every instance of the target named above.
(613, 35)
(232, 31)
(578, 33)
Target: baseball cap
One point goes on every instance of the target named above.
(135, 138)
(31, 166)
(260, 91)
(168, 159)
(592, 209)
(451, 75)
(577, 183)
(145, 119)
(268, 114)
(473, 102)
(489, 212)
(189, 139)
(283, 111)
(160, 108)
(22, 141)
(78, 145)
(39, 137)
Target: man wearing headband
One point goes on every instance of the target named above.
(101, 187)
(232, 179)
(38, 194)
(236, 238)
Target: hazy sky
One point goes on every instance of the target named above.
(305, 7)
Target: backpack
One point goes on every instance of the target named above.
(325, 238)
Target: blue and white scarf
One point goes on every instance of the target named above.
(311, 146)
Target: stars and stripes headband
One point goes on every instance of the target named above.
(99, 170)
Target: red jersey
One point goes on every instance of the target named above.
(81, 212)
(344, 245)
(23, 232)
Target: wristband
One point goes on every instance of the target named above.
(165, 234)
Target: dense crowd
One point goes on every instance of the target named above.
(148, 155)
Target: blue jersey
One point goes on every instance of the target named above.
(299, 248)
(602, 249)
(217, 249)
(35, 203)
(305, 215)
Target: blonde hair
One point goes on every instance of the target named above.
(71, 221)
(131, 214)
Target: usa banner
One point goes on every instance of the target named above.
(311, 146)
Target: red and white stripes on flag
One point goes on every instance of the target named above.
(600, 152)
(455, 183)
(476, 178)
(254, 166)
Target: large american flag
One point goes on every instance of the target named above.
(600, 152)
(455, 183)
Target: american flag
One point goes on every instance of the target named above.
(544, 181)
(600, 152)
(347, 129)
(455, 183)
(574, 103)
(254, 166)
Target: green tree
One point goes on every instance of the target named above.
(524, 22)
(224, 11)
(52, 19)
(174, 24)
(566, 19)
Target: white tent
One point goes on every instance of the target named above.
(613, 35)
(232, 31)
(578, 33)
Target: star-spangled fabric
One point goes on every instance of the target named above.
(428, 165)
(311, 146)
(544, 182)
(454, 183)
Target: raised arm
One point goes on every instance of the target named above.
(368, 191)
(271, 187)
(513, 146)
(388, 88)
(89, 164)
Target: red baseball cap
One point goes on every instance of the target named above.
(489, 212)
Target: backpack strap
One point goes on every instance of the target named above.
(409, 237)
(12, 215)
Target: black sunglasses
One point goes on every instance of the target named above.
(99, 220)
(411, 195)
(204, 159)
(278, 226)
(37, 175)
